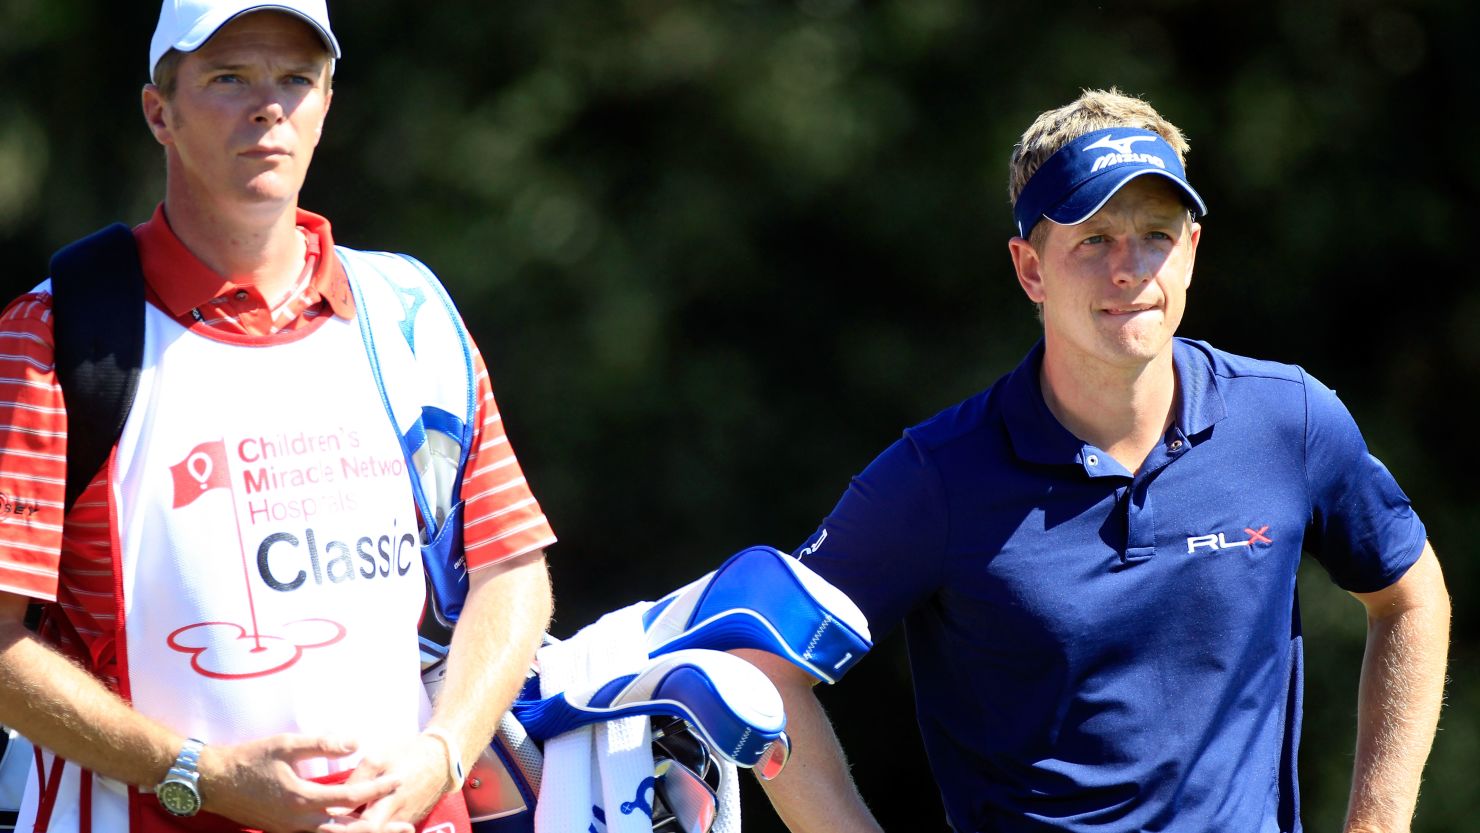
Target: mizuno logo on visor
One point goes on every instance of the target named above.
(1118, 145)
(1121, 152)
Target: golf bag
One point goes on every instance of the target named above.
(710, 712)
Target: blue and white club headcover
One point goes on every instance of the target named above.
(759, 598)
(727, 701)
(763, 598)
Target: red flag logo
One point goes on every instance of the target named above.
(203, 469)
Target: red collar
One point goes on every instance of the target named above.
(182, 282)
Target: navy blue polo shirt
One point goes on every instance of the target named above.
(1094, 650)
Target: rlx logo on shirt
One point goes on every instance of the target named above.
(1219, 540)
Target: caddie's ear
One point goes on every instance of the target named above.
(1029, 267)
(154, 104)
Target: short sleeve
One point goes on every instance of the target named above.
(884, 543)
(1363, 528)
(502, 519)
(33, 451)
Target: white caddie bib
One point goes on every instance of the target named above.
(271, 577)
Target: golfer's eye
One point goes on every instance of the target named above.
(1093, 240)
(227, 78)
(304, 80)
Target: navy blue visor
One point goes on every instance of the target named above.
(1077, 181)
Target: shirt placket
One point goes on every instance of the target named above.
(1133, 499)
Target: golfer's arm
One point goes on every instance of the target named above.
(58, 705)
(814, 793)
(502, 622)
(1398, 704)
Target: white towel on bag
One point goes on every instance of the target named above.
(600, 777)
(591, 773)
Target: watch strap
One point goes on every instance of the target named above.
(189, 758)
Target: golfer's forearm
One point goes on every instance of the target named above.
(1398, 709)
(61, 707)
(814, 793)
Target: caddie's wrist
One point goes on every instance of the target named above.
(452, 756)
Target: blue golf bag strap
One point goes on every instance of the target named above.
(422, 359)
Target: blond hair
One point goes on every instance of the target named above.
(1093, 110)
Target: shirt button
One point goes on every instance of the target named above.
(241, 295)
(1092, 460)
(1176, 445)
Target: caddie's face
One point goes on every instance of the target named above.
(1114, 287)
(247, 112)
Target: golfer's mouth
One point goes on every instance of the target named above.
(1130, 309)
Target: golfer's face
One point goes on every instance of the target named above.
(249, 109)
(1114, 287)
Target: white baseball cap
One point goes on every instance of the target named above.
(186, 25)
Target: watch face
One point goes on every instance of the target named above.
(178, 797)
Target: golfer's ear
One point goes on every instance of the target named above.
(1029, 268)
(1194, 235)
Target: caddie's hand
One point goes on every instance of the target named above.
(255, 784)
(419, 766)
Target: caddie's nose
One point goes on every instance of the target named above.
(269, 108)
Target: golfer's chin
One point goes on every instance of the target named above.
(1137, 342)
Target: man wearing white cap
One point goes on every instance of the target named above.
(231, 604)
(1094, 559)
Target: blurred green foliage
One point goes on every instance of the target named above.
(720, 253)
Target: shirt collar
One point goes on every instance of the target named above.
(1202, 403)
(182, 282)
(1038, 437)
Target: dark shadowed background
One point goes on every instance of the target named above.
(719, 253)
